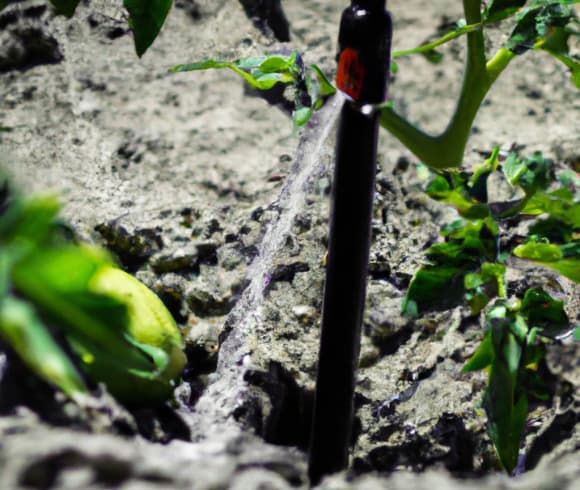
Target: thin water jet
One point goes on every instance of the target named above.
(227, 390)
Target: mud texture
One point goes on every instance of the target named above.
(205, 192)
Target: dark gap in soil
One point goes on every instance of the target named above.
(468, 322)
(285, 273)
(250, 416)
(44, 473)
(31, 47)
(269, 17)
(28, 45)
(449, 444)
(200, 363)
(190, 7)
(389, 345)
(161, 424)
(204, 304)
(132, 249)
(289, 421)
(18, 387)
(173, 300)
(112, 28)
(560, 429)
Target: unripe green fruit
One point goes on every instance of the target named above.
(150, 322)
(154, 334)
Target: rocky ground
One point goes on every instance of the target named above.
(208, 195)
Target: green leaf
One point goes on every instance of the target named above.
(264, 72)
(431, 287)
(433, 56)
(482, 357)
(540, 252)
(40, 278)
(29, 337)
(265, 81)
(534, 385)
(326, 88)
(497, 10)
(302, 116)
(276, 64)
(552, 256)
(511, 353)
(250, 69)
(558, 204)
(442, 282)
(146, 17)
(466, 192)
(440, 190)
(536, 21)
(506, 415)
(124, 381)
(468, 242)
(120, 330)
(508, 349)
(552, 230)
(485, 284)
(505, 404)
(570, 180)
(201, 65)
(29, 222)
(545, 313)
(150, 326)
(531, 174)
(535, 352)
(556, 44)
(65, 7)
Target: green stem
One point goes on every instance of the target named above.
(446, 149)
(438, 42)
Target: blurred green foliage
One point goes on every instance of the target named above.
(57, 296)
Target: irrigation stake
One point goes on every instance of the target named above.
(363, 67)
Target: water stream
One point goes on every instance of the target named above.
(227, 389)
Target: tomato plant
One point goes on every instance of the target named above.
(471, 263)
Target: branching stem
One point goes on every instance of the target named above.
(447, 149)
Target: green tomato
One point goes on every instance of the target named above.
(140, 364)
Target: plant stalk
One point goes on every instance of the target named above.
(446, 149)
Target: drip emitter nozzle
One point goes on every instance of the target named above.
(364, 43)
(363, 67)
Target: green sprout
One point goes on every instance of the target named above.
(510, 352)
(53, 292)
(469, 266)
(264, 72)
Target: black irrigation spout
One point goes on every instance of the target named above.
(363, 67)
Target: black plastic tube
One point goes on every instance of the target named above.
(364, 48)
